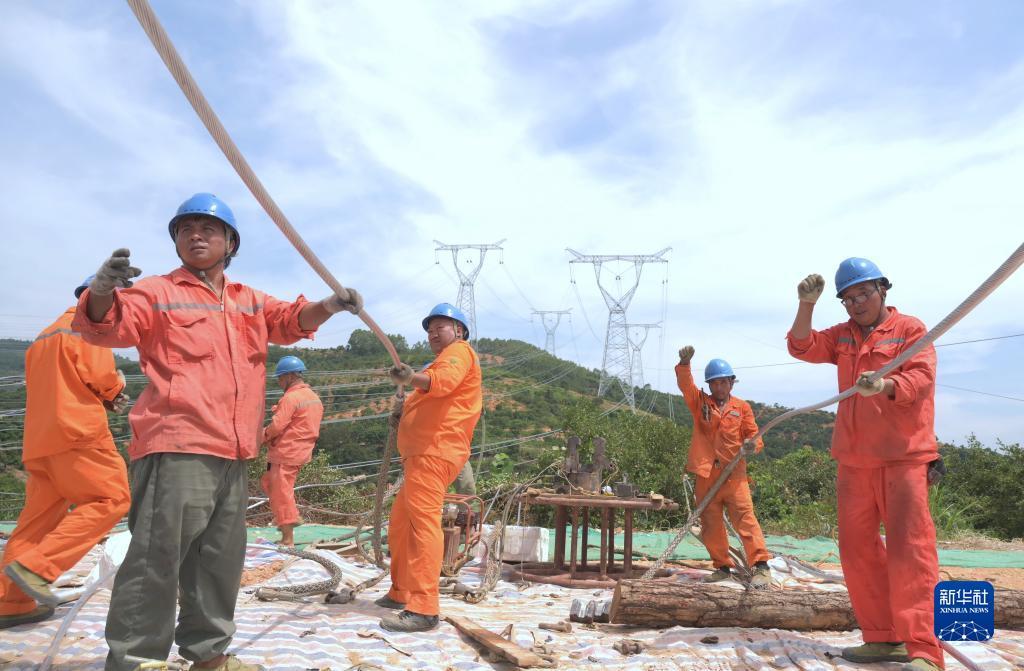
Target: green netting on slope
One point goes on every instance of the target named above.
(816, 549)
(653, 543)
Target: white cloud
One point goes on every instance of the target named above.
(385, 127)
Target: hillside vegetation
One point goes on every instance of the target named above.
(533, 401)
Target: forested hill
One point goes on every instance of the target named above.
(533, 401)
(527, 391)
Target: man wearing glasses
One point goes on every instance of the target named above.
(884, 440)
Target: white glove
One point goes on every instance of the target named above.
(810, 288)
(865, 387)
(116, 271)
(351, 302)
(685, 354)
(401, 374)
(748, 448)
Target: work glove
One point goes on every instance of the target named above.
(810, 288)
(350, 302)
(401, 374)
(749, 448)
(936, 470)
(866, 387)
(116, 271)
(685, 354)
(119, 403)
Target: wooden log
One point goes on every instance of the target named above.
(514, 653)
(657, 603)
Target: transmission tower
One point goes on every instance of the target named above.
(637, 344)
(549, 329)
(616, 364)
(466, 302)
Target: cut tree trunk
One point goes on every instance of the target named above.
(656, 603)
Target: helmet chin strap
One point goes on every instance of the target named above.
(201, 272)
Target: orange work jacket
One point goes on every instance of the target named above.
(873, 431)
(440, 421)
(66, 382)
(295, 426)
(205, 359)
(718, 433)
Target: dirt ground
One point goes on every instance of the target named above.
(1006, 578)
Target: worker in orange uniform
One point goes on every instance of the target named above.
(434, 435)
(71, 462)
(723, 425)
(883, 441)
(202, 342)
(290, 437)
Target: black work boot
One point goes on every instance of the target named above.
(36, 586)
(408, 621)
(762, 577)
(719, 574)
(39, 614)
(387, 602)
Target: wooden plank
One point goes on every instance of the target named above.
(514, 653)
(599, 501)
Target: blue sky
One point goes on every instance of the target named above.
(761, 141)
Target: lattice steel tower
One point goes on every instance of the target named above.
(636, 344)
(549, 329)
(616, 364)
(466, 301)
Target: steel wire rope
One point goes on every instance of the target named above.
(416, 279)
(161, 41)
(1001, 274)
(169, 54)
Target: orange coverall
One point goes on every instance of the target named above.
(69, 456)
(434, 436)
(718, 434)
(883, 446)
(197, 421)
(291, 436)
(205, 360)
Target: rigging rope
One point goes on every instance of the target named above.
(1001, 274)
(163, 45)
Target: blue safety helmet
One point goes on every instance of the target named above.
(450, 311)
(289, 364)
(211, 206)
(717, 368)
(83, 286)
(855, 270)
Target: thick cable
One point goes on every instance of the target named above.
(1001, 274)
(169, 54)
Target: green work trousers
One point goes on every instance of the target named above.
(188, 547)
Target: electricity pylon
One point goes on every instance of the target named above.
(637, 344)
(616, 364)
(549, 329)
(466, 301)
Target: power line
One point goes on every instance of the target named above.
(964, 342)
(516, 285)
(983, 393)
